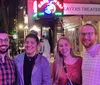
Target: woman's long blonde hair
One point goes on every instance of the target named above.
(59, 58)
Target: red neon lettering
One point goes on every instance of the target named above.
(46, 1)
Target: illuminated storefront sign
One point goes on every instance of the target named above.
(81, 9)
(48, 7)
(47, 1)
(42, 3)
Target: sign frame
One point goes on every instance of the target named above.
(81, 9)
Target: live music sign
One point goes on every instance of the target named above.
(81, 9)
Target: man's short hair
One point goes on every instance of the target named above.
(30, 35)
(34, 32)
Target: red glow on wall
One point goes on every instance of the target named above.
(30, 6)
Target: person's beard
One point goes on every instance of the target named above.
(89, 45)
(3, 51)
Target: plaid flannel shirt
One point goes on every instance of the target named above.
(7, 72)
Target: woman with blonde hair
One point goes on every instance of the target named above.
(67, 66)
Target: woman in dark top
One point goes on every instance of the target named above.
(33, 69)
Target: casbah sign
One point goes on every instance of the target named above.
(81, 9)
(47, 1)
(50, 6)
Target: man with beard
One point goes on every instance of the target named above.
(91, 56)
(7, 67)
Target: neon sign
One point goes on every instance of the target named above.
(46, 1)
(50, 8)
(42, 3)
(35, 6)
(60, 6)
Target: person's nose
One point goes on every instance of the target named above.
(29, 44)
(3, 42)
(63, 47)
(85, 36)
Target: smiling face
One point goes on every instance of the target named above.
(4, 43)
(88, 36)
(64, 47)
(31, 46)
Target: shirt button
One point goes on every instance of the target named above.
(6, 70)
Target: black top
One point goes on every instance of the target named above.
(28, 66)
